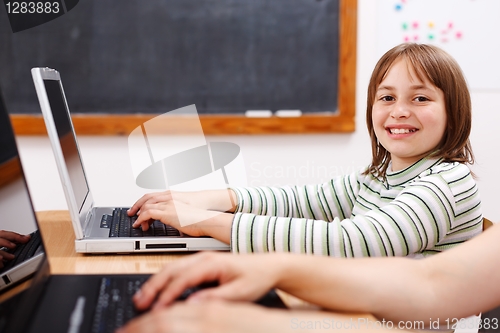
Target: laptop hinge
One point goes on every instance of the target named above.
(88, 218)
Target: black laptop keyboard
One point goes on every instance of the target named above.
(114, 305)
(120, 225)
(24, 251)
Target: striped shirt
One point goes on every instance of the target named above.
(426, 208)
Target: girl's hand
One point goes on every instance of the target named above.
(215, 200)
(176, 214)
(188, 219)
(240, 277)
(155, 198)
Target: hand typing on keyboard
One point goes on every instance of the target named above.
(237, 278)
(188, 219)
(215, 200)
(8, 242)
(212, 316)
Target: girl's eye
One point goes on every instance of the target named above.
(387, 98)
(421, 99)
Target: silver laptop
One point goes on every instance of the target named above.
(94, 227)
(21, 260)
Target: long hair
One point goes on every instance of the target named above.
(440, 69)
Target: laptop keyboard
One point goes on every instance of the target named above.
(120, 225)
(114, 305)
(24, 251)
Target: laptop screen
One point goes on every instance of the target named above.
(18, 259)
(69, 146)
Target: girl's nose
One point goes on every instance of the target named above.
(400, 110)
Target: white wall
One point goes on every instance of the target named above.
(280, 159)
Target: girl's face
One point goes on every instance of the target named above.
(408, 115)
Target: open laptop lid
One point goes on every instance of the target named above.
(57, 118)
(16, 207)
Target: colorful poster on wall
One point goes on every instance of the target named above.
(468, 29)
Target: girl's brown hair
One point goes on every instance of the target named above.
(437, 66)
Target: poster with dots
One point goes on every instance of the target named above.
(468, 29)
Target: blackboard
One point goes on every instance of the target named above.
(225, 56)
(123, 58)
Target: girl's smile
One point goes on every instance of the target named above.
(400, 131)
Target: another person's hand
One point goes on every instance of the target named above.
(211, 317)
(9, 240)
(240, 277)
(236, 317)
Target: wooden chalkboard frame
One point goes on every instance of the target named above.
(341, 122)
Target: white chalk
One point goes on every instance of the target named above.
(258, 113)
(288, 113)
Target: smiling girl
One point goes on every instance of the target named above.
(417, 197)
